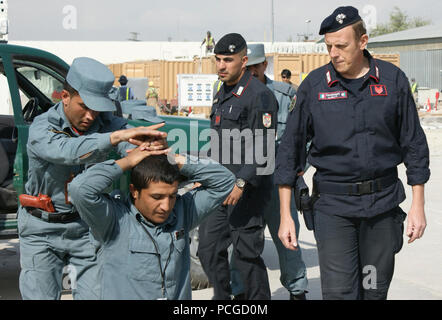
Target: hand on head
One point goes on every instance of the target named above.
(139, 135)
(136, 155)
(148, 141)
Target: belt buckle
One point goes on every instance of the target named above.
(365, 187)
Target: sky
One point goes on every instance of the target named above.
(180, 20)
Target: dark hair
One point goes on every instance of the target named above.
(359, 28)
(286, 73)
(122, 80)
(154, 169)
(243, 52)
(68, 88)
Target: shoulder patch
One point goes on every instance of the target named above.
(267, 119)
(179, 234)
(292, 104)
(378, 90)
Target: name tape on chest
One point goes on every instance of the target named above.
(332, 95)
(378, 90)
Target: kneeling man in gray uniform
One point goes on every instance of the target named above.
(145, 241)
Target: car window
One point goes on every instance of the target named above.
(5, 97)
(50, 86)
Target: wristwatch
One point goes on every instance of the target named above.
(240, 183)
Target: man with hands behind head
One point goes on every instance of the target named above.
(145, 236)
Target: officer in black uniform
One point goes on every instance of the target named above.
(243, 119)
(361, 119)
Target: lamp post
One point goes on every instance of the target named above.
(308, 29)
(273, 23)
(4, 21)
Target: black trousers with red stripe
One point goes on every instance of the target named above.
(228, 227)
(356, 255)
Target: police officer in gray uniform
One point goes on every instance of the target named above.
(77, 131)
(361, 119)
(293, 272)
(243, 117)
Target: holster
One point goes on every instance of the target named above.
(304, 203)
(42, 202)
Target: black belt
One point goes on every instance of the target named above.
(53, 217)
(355, 189)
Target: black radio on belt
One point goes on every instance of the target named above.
(304, 203)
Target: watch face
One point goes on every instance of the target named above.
(240, 183)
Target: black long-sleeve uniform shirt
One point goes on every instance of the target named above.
(244, 121)
(248, 112)
(356, 135)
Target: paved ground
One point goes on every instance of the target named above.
(418, 273)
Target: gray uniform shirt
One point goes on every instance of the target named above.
(128, 260)
(284, 94)
(56, 152)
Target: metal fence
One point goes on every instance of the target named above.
(424, 66)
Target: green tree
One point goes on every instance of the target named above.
(420, 22)
(399, 20)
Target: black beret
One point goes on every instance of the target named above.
(340, 18)
(122, 79)
(229, 44)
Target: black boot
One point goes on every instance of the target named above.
(300, 296)
(240, 296)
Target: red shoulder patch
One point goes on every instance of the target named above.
(378, 90)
